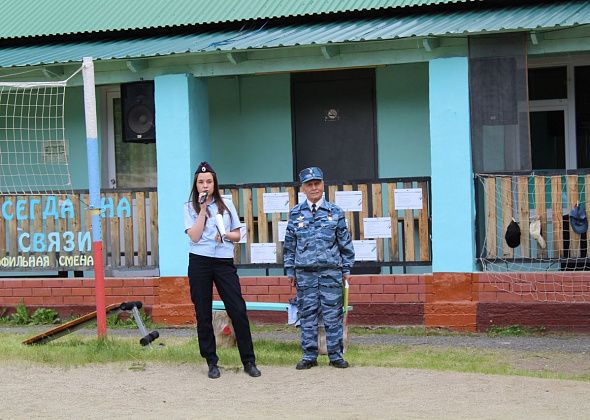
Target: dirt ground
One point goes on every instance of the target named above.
(30, 391)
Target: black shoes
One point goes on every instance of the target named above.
(251, 369)
(306, 364)
(214, 372)
(340, 363)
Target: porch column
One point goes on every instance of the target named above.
(453, 210)
(451, 301)
(182, 131)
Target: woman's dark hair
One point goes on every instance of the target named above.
(194, 197)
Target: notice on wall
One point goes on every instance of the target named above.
(275, 202)
(365, 250)
(243, 234)
(349, 200)
(282, 230)
(377, 227)
(408, 198)
(264, 253)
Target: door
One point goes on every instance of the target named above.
(549, 145)
(333, 116)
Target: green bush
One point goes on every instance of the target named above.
(43, 316)
(3, 317)
(21, 315)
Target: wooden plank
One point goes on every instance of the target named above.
(3, 240)
(249, 220)
(115, 234)
(394, 241)
(68, 327)
(235, 197)
(490, 212)
(63, 221)
(262, 220)
(292, 197)
(423, 231)
(13, 231)
(155, 252)
(377, 202)
(573, 199)
(363, 188)
(350, 216)
(506, 204)
(25, 224)
(541, 209)
(332, 193)
(50, 227)
(76, 220)
(557, 213)
(141, 229)
(275, 229)
(524, 215)
(409, 252)
(128, 234)
(87, 216)
(103, 224)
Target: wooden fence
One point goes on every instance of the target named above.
(409, 243)
(522, 198)
(53, 232)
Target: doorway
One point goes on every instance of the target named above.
(333, 120)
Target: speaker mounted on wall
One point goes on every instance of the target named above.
(139, 115)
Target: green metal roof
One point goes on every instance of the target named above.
(545, 16)
(29, 18)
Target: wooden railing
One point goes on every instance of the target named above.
(53, 232)
(523, 197)
(409, 243)
(44, 233)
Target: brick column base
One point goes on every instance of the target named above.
(451, 302)
(174, 306)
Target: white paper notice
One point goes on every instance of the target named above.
(377, 227)
(227, 197)
(265, 253)
(408, 198)
(243, 234)
(365, 250)
(275, 202)
(349, 200)
(282, 230)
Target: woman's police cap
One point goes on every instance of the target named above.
(310, 173)
(204, 167)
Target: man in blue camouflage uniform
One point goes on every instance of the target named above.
(318, 256)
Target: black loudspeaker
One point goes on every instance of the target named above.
(139, 114)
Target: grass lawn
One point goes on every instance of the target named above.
(78, 350)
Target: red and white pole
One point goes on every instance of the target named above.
(94, 189)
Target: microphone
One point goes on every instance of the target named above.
(203, 198)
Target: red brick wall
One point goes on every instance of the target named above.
(376, 299)
(461, 301)
(74, 296)
(556, 301)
